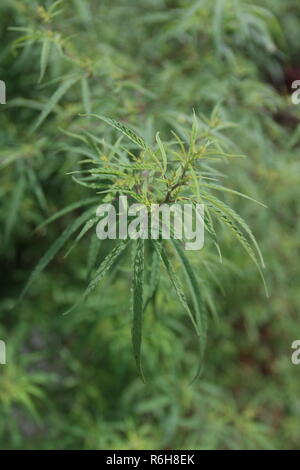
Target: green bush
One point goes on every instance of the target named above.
(215, 74)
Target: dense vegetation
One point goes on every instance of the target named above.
(197, 85)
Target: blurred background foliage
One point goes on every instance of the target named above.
(70, 381)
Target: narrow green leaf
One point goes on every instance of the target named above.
(132, 135)
(14, 207)
(92, 255)
(57, 95)
(193, 285)
(192, 148)
(137, 302)
(105, 266)
(154, 277)
(87, 184)
(163, 152)
(176, 283)
(139, 141)
(54, 249)
(201, 315)
(208, 223)
(233, 215)
(220, 214)
(218, 187)
(86, 95)
(46, 48)
(66, 210)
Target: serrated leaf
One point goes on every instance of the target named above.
(105, 266)
(163, 152)
(194, 133)
(154, 277)
(132, 135)
(37, 189)
(193, 285)
(201, 316)
(176, 282)
(219, 213)
(233, 215)
(218, 24)
(87, 226)
(137, 302)
(92, 255)
(87, 184)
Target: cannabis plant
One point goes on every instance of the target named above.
(178, 171)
